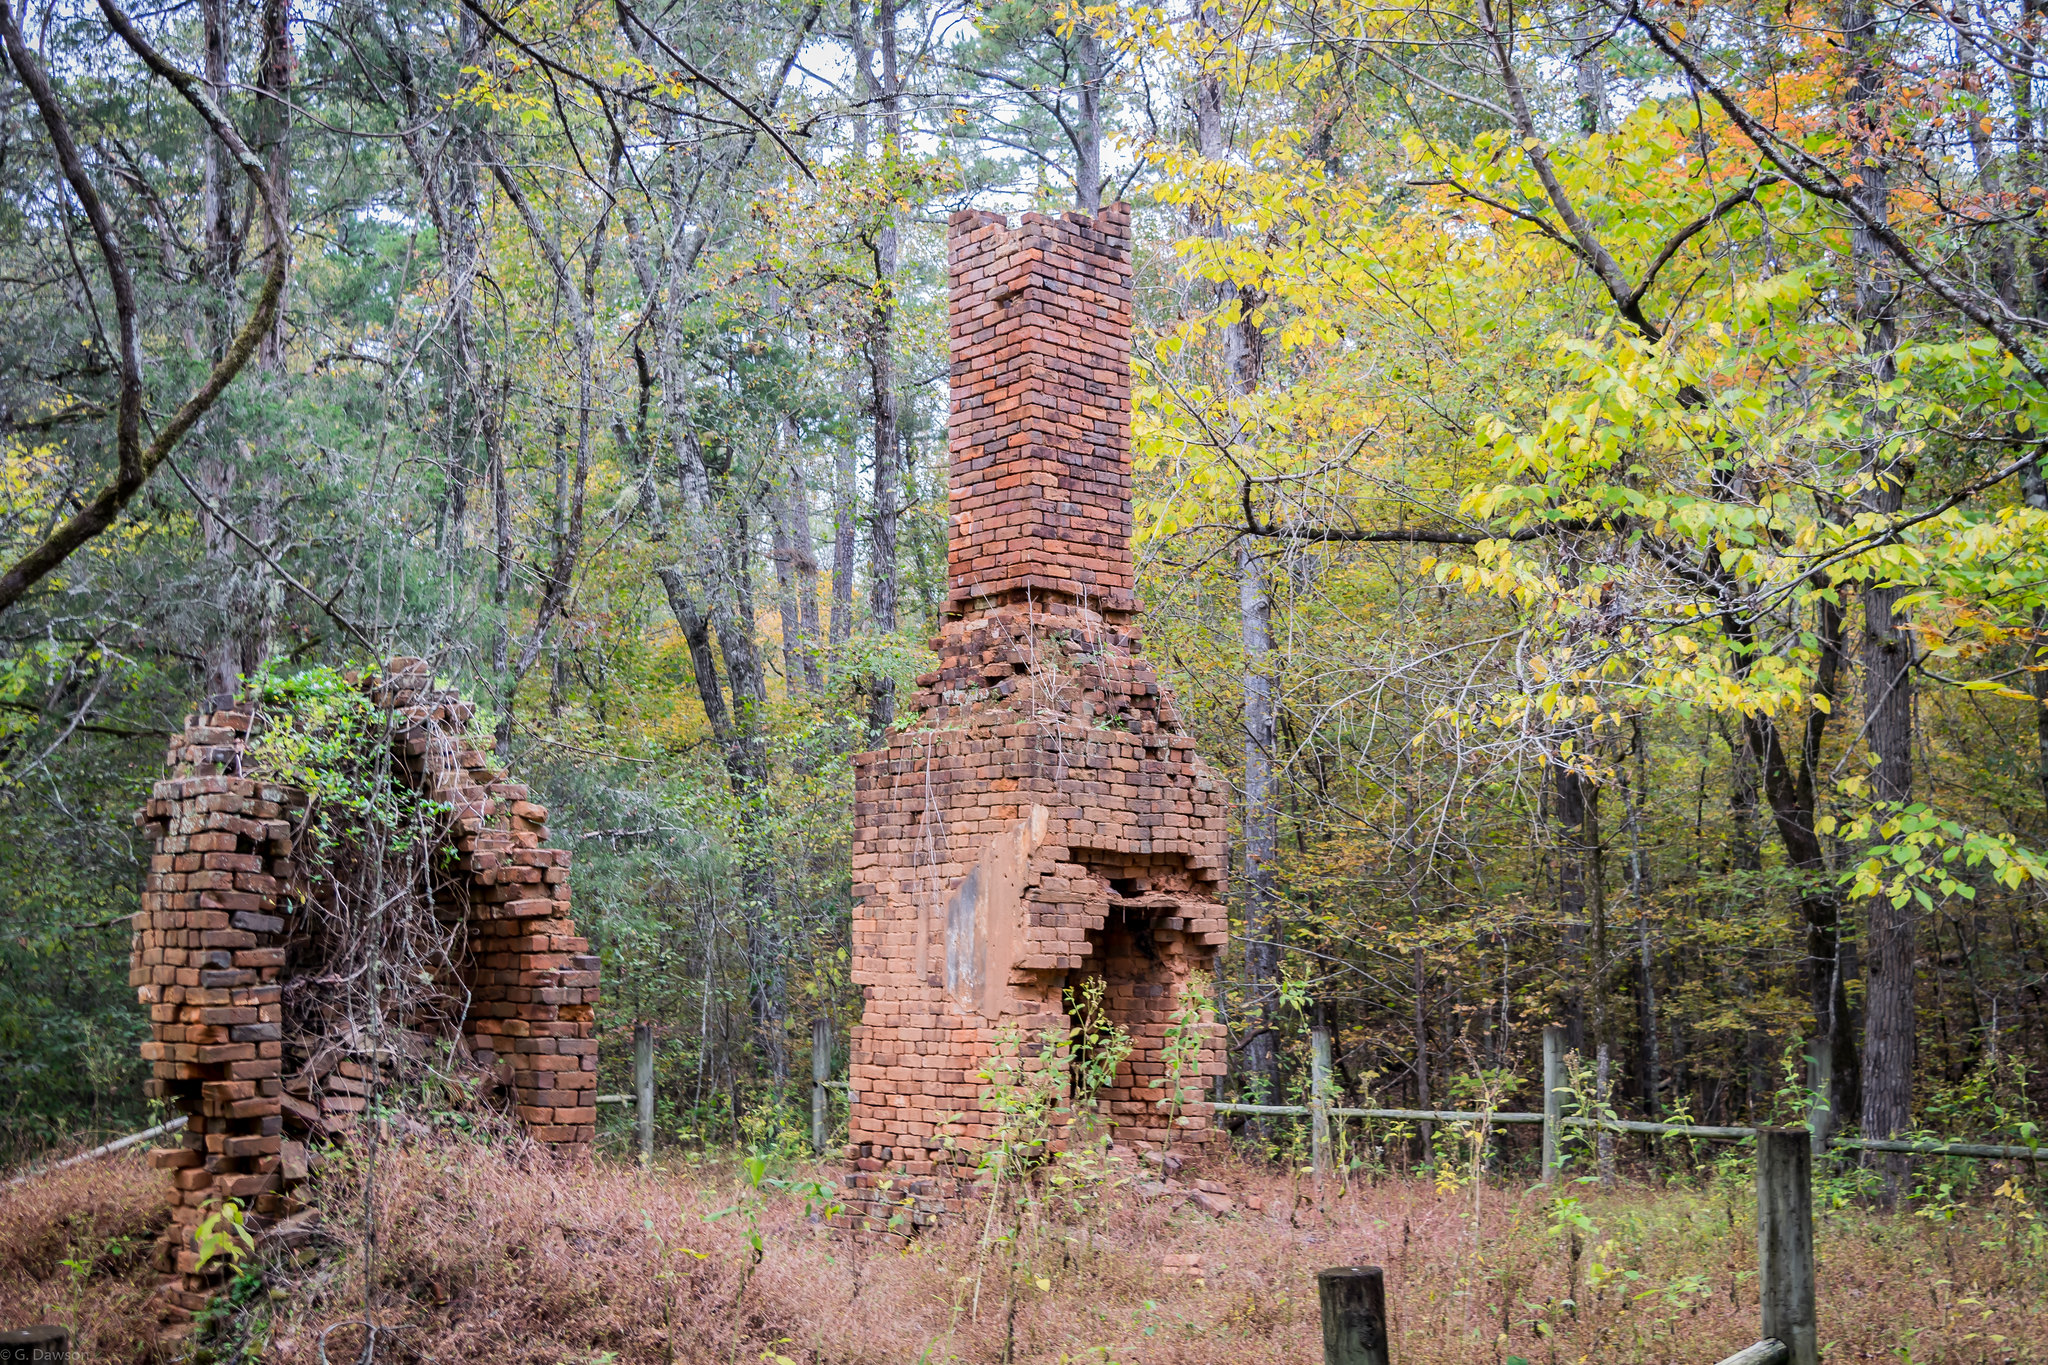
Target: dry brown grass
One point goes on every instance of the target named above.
(101, 1217)
(487, 1253)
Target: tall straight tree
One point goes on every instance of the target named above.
(228, 654)
(883, 88)
(1887, 646)
(1242, 359)
(243, 586)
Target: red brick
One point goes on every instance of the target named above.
(205, 963)
(1045, 758)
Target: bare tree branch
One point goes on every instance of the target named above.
(135, 461)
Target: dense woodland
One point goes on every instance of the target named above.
(1590, 496)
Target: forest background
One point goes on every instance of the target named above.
(1589, 495)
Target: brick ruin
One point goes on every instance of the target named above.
(230, 921)
(1045, 818)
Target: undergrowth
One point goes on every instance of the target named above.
(488, 1251)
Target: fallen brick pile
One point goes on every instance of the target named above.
(1045, 819)
(225, 926)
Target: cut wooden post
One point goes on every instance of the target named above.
(1553, 1098)
(1770, 1352)
(643, 1088)
(1319, 1104)
(45, 1345)
(821, 1072)
(1820, 1079)
(1354, 1300)
(1784, 1242)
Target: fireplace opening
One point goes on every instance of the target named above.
(1145, 961)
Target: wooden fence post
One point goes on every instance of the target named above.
(1784, 1242)
(643, 1089)
(1354, 1300)
(821, 1072)
(1820, 1079)
(1319, 1104)
(1553, 1098)
(45, 1345)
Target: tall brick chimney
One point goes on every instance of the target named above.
(1044, 819)
(1040, 438)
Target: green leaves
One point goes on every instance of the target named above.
(223, 1234)
(317, 731)
(1920, 856)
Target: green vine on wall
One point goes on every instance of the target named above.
(318, 730)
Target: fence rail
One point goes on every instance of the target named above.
(105, 1149)
(1980, 1150)
(1984, 1151)
(1552, 1116)
(1555, 1120)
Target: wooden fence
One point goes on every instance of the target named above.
(1320, 1112)
(1555, 1120)
(1354, 1297)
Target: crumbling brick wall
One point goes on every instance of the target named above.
(222, 929)
(1045, 818)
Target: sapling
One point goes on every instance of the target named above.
(668, 1277)
(1180, 1049)
(819, 1197)
(1570, 1226)
(223, 1234)
(1022, 1092)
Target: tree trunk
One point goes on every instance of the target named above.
(1574, 805)
(786, 605)
(1242, 354)
(501, 578)
(1887, 650)
(767, 962)
(476, 411)
(1244, 357)
(2032, 173)
(845, 471)
(804, 559)
(1405, 780)
(273, 141)
(1745, 853)
(227, 656)
(845, 520)
(1088, 136)
(1261, 828)
(1791, 789)
(881, 349)
(1746, 861)
(885, 507)
(579, 302)
(767, 966)
(1633, 795)
(1589, 79)
(1603, 1144)
(1591, 852)
(2035, 488)
(216, 206)
(1420, 1025)
(695, 624)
